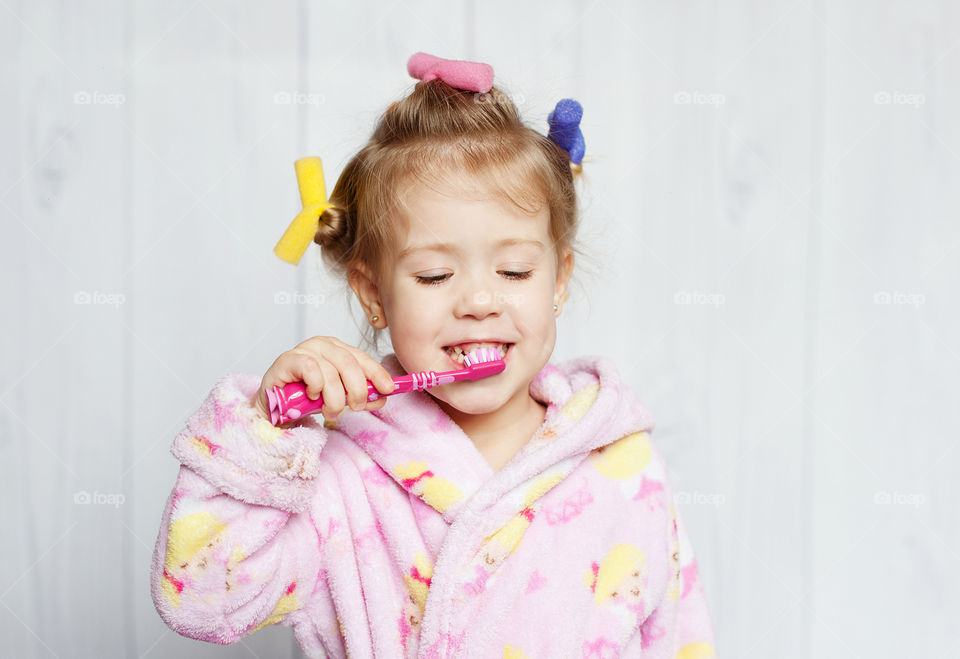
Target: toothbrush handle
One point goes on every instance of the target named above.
(291, 402)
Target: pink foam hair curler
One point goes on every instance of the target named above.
(291, 402)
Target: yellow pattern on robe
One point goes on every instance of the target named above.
(418, 587)
(285, 605)
(187, 535)
(266, 432)
(619, 563)
(699, 650)
(201, 444)
(581, 401)
(437, 492)
(542, 485)
(509, 535)
(625, 457)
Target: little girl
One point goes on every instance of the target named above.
(526, 514)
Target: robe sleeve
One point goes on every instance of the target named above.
(680, 626)
(237, 549)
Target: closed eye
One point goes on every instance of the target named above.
(439, 279)
(432, 281)
(518, 275)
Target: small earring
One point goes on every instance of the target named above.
(555, 307)
(374, 319)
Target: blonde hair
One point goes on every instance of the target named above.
(438, 129)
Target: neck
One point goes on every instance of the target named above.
(513, 422)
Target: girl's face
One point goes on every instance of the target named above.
(474, 267)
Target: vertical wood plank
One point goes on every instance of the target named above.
(888, 353)
(62, 219)
(214, 121)
(763, 257)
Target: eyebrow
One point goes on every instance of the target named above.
(455, 248)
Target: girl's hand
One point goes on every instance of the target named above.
(327, 366)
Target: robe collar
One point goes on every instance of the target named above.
(418, 445)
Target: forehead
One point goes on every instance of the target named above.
(461, 218)
(460, 247)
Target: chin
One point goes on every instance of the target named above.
(469, 402)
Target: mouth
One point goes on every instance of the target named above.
(455, 354)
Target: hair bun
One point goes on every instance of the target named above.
(332, 225)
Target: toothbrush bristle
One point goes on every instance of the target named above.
(480, 355)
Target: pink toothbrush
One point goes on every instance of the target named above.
(291, 402)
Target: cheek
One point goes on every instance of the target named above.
(414, 325)
(413, 310)
(539, 332)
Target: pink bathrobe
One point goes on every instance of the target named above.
(387, 534)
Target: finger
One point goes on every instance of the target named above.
(313, 371)
(373, 371)
(334, 396)
(314, 376)
(352, 376)
(260, 404)
(293, 367)
(320, 377)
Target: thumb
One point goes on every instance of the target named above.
(259, 405)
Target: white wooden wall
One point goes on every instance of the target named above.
(770, 199)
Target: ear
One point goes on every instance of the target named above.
(362, 282)
(563, 276)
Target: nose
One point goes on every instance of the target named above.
(478, 298)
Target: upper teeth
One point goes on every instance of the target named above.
(458, 352)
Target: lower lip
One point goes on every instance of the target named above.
(458, 365)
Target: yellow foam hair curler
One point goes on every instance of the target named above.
(313, 198)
